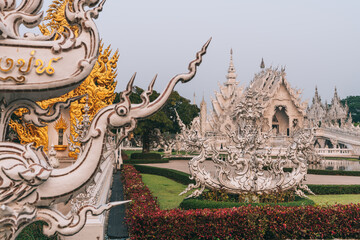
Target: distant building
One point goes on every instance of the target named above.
(282, 110)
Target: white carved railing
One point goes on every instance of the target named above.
(97, 194)
(349, 136)
(334, 152)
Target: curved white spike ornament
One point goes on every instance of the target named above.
(29, 186)
(249, 166)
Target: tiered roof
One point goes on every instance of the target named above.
(317, 111)
(225, 100)
(268, 83)
(337, 111)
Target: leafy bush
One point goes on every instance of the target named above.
(271, 197)
(145, 156)
(335, 189)
(160, 150)
(34, 232)
(124, 156)
(201, 203)
(146, 221)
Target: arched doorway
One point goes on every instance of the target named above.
(280, 121)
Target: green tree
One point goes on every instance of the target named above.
(165, 119)
(354, 107)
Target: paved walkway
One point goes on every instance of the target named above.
(117, 228)
(182, 165)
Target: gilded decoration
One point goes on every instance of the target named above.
(60, 127)
(61, 124)
(99, 85)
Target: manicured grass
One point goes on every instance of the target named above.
(335, 199)
(166, 190)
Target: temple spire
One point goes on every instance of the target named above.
(336, 97)
(316, 97)
(262, 64)
(335, 93)
(231, 76)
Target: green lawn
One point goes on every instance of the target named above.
(167, 191)
(335, 199)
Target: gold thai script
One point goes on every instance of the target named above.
(24, 67)
(17, 80)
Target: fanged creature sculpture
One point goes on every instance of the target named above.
(29, 186)
(249, 167)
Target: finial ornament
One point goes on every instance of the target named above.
(231, 76)
(262, 64)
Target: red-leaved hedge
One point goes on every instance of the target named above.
(147, 221)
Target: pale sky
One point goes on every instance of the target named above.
(317, 40)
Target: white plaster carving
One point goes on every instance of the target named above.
(53, 161)
(242, 170)
(39, 67)
(29, 185)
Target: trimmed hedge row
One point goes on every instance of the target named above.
(328, 172)
(145, 156)
(333, 172)
(180, 158)
(146, 221)
(335, 189)
(184, 178)
(145, 161)
(201, 204)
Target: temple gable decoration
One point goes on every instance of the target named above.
(282, 106)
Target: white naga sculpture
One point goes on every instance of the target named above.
(29, 186)
(246, 166)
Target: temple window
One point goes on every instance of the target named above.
(280, 121)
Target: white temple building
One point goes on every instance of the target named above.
(283, 112)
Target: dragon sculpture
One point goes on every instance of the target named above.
(248, 166)
(29, 186)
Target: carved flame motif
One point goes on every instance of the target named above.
(61, 124)
(99, 85)
(249, 166)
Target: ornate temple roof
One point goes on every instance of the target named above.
(337, 111)
(231, 76)
(269, 80)
(225, 99)
(229, 91)
(317, 111)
